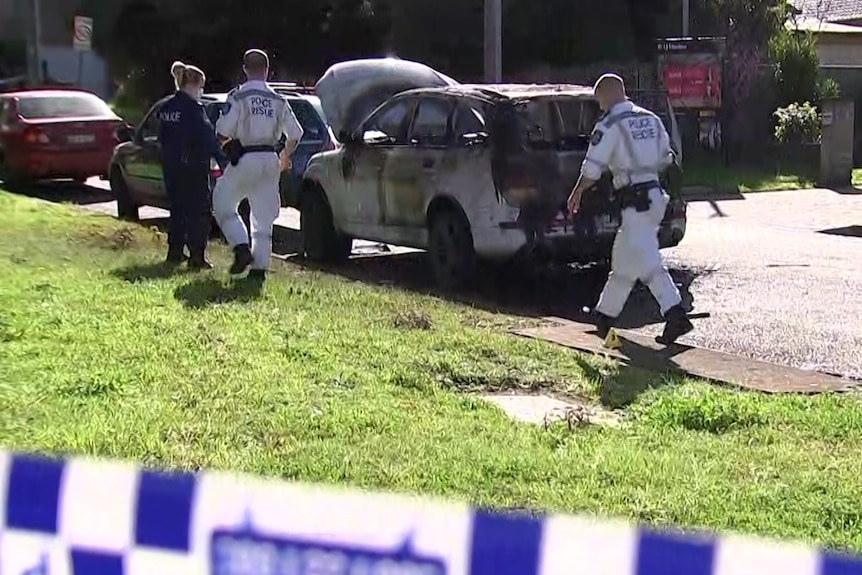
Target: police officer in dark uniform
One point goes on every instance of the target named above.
(188, 143)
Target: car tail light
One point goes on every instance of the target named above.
(215, 170)
(34, 135)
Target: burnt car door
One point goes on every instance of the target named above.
(363, 161)
(144, 166)
(468, 175)
(412, 174)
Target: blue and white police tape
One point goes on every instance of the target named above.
(85, 517)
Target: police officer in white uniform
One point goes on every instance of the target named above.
(256, 120)
(634, 145)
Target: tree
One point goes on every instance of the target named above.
(749, 26)
(796, 67)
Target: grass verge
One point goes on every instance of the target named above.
(321, 379)
(714, 174)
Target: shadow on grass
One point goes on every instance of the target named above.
(61, 192)
(529, 291)
(645, 369)
(203, 292)
(149, 271)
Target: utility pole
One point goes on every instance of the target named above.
(493, 41)
(686, 7)
(34, 40)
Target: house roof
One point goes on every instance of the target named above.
(821, 27)
(830, 10)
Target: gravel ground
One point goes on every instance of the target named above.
(776, 287)
(779, 289)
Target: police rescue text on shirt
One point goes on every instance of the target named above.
(262, 107)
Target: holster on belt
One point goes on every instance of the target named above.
(234, 151)
(636, 196)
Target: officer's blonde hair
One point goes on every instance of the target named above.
(185, 74)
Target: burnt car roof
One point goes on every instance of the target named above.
(509, 91)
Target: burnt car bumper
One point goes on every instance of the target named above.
(574, 244)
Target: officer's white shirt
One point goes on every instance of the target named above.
(631, 142)
(256, 115)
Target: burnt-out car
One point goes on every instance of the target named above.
(464, 172)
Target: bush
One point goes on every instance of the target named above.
(797, 124)
(827, 88)
(796, 67)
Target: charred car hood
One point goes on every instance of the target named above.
(350, 91)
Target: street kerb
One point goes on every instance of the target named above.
(641, 351)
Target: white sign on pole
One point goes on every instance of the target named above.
(83, 39)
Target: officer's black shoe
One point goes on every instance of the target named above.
(242, 258)
(175, 257)
(257, 275)
(603, 322)
(199, 263)
(677, 325)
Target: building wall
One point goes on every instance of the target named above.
(87, 70)
(840, 49)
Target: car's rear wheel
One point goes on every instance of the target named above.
(450, 249)
(321, 241)
(127, 209)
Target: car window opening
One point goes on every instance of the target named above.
(561, 124)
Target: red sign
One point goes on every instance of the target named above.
(693, 85)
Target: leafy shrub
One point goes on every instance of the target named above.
(796, 66)
(827, 88)
(797, 124)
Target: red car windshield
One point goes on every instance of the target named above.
(66, 106)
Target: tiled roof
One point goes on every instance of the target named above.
(830, 10)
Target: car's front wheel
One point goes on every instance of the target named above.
(127, 209)
(450, 249)
(321, 241)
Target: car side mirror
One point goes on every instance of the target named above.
(473, 139)
(375, 137)
(125, 134)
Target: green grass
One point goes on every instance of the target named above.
(715, 174)
(321, 379)
(857, 177)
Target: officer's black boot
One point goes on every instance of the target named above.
(175, 256)
(198, 262)
(257, 275)
(242, 258)
(676, 326)
(603, 322)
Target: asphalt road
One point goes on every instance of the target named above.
(778, 287)
(785, 277)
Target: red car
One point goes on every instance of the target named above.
(48, 134)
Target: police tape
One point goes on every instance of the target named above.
(86, 517)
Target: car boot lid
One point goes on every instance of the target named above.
(349, 91)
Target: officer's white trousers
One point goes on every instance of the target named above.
(635, 256)
(255, 177)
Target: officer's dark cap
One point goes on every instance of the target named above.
(255, 59)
